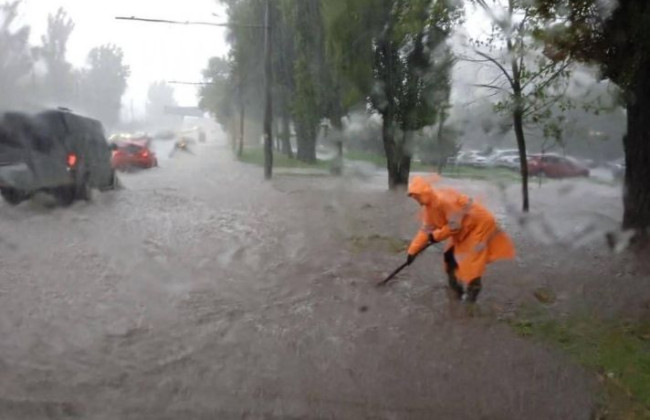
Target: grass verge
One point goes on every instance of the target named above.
(617, 351)
(255, 156)
(460, 172)
(483, 174)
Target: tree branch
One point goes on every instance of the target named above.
(499, 65)
(473, 60)
(491, 86)
(533, 109)
(544, 69)
(555, 75)
(494, 80)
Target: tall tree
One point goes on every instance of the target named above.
(246, 77)
(59, 85)
(307, 106)
(385, 49)
(528, 83)
(284, 58)
(104, 82)
(302, 87)
(215, 95)
(15, 58)
(615, 36)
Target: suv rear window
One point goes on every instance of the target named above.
(131, 148)
(9, 139)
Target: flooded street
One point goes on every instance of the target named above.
(152, 268)
(201, 292)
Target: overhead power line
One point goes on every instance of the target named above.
(186, 22)
(176, 82)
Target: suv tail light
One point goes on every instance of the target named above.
(72, 160)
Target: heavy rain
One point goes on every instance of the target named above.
(324, 209)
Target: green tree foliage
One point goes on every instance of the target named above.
(330, 56)
(104, 82)
(58, 84)
(386, 52)
(304, 20)
(283, 71)
(223, 96)
(237, 100)
(615, 36)
(96, 90)
(15, 58)
(215, 96)
(300, 87)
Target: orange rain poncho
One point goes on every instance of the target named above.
(470, 228)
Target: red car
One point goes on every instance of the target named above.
(132, 154)
(556, 166)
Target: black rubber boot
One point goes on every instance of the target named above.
(455, 288)
(473, 289)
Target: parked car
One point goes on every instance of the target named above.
(556, 166)
(510, 162)
(133, 154)
(470, 158)
(617, 167)
(589, 163)
(503, 158)
(55, 151)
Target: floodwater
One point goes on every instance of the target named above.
(201, 292)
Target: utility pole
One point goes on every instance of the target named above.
(268, 109)
(240, 94)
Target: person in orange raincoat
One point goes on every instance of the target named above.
(473, 237)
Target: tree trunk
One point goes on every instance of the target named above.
(518, 118)
(636, 198)
(404, 169)
(276, 135)
(523, 159)
(240, 147)
(388, 137)
(268, 110)
(442, 156)
(338, 164)
(404, 161)
(397, 163)
(306, 143)
(301, 138)
(286, 136)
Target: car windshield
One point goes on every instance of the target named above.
(315, 209)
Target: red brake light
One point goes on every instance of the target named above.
(72, 160)
(145, 153)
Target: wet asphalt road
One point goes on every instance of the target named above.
(201, 292)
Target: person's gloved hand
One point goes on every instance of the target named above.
(432, 239)
(409, 259)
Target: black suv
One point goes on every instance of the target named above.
(53, 151)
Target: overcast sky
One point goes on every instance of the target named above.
(154, 51)
(177, 52)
